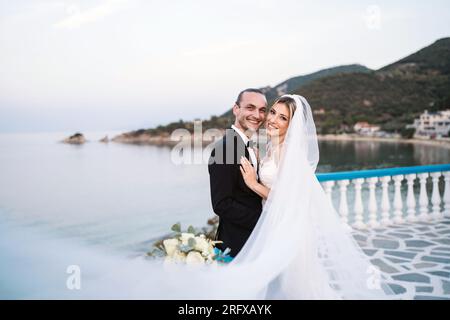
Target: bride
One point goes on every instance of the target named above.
(300, 242)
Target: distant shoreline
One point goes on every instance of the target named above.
(165, 140)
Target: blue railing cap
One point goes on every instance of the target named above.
(349, 175)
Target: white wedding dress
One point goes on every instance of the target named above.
(299, 248)
(268, 169)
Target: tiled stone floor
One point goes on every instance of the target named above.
(415, 256)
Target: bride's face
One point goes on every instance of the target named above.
(277, 121)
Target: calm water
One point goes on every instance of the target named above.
(121, 196)
(116, 198)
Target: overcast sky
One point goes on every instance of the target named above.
(129, 64)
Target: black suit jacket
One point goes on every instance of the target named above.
(237, 206)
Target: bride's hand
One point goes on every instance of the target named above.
(248, 173)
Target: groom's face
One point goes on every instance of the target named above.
(250, 113)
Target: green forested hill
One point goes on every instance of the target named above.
(391, 96)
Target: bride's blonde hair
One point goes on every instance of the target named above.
(288, 102)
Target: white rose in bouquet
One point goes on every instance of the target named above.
(194, 257)
(171, 245)
(179, 256)
(204, 246)
(185, 238)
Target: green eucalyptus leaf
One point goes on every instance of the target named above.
(191, 229)
(176, 227)
(191, 242)
(185, 248)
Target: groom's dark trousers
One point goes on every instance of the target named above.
(237, 206)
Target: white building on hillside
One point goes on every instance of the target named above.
(366, 129)
(432, 124)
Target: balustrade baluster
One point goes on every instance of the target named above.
(447, 194)
(398, 203)
(435, 196)
(343, 205)
(410, 198)
(358, 206)
(372, 202)
(385, 203)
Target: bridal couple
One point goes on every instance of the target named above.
(284, 234)
(240, 181)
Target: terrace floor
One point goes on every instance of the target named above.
(416, 256)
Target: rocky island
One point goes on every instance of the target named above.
(77, 138)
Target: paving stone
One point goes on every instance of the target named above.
(395, 260)
(422, 265)
(370, 252)
(430, 298)
(398, 289)
(424, 289)
(405, 267)
(401, 235)
(436, 259)
(401, 254)
(437, 253)
(384, 267)
(360, 237)
(446, 287)
(443, 274)
(385, 237)
(412, 277)
(442, 248)
(442, 241)
(418, 243)
(424, 223)
(431, 235)
(415, 250)
(385, 244)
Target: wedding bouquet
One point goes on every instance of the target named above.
(189, 247)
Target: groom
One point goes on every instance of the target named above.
(237, 206)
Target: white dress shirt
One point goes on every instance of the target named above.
(251, 151)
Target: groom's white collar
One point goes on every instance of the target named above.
(240, 133)
(251, 151)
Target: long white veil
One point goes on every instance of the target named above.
(301, 237)
(299, 248)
